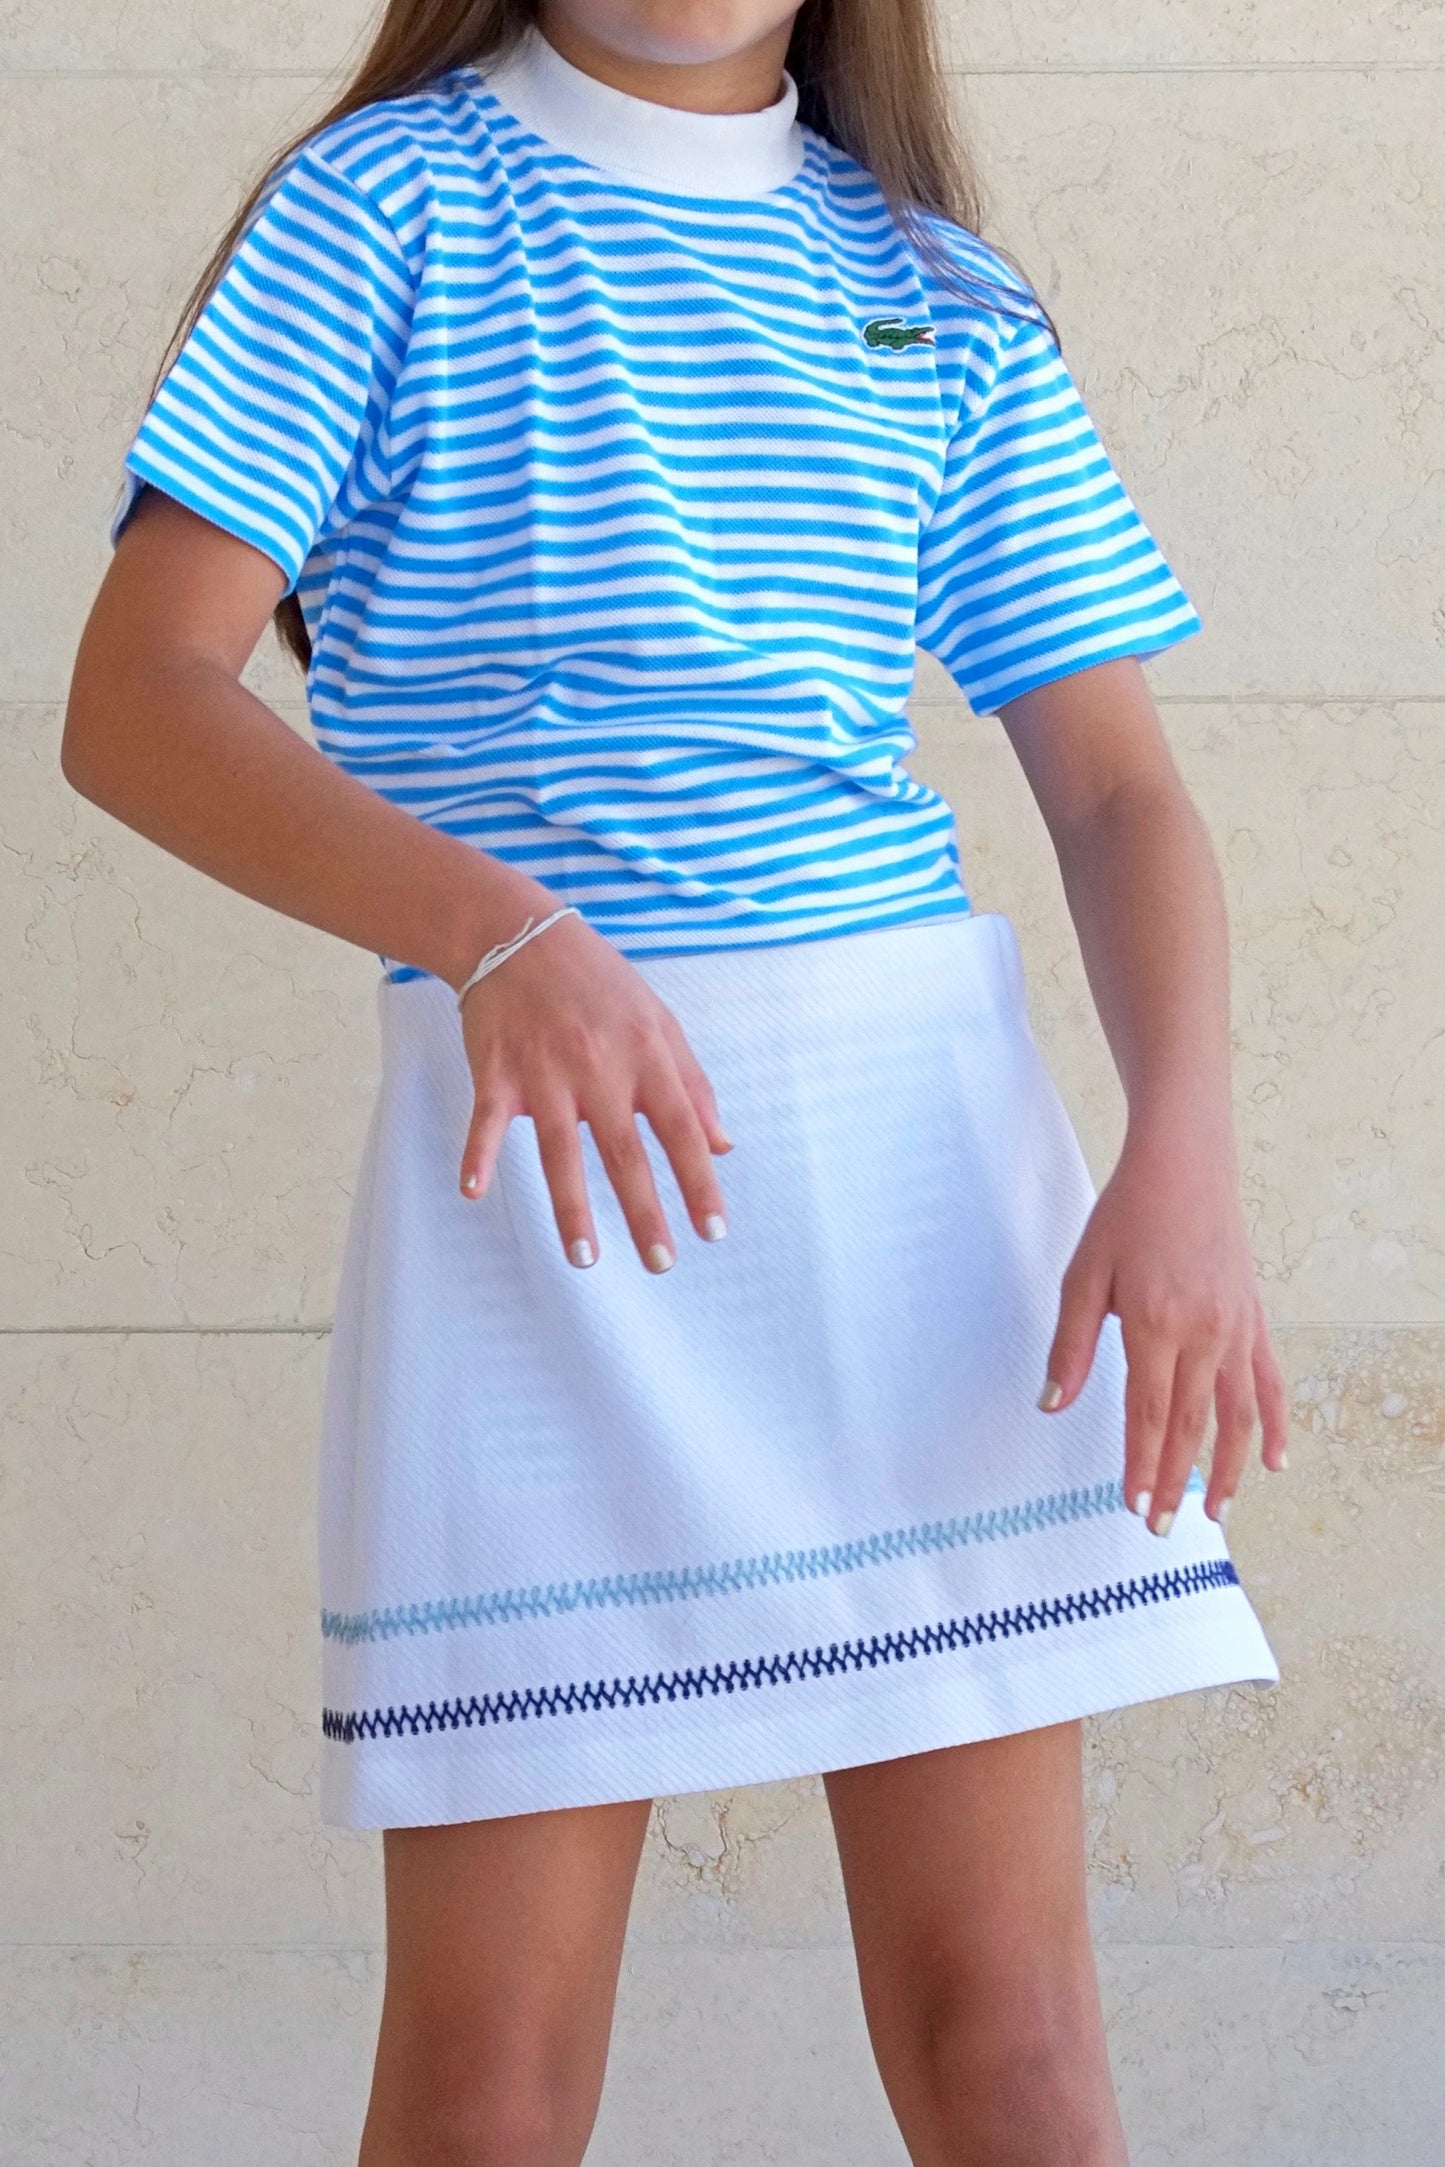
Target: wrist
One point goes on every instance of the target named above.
(1189, 1129)
(489, 908)
(503, 951)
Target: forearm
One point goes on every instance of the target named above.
(186, 756)
(1144, 891)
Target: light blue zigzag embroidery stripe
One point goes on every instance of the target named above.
(506, 1605)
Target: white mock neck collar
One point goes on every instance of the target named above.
(655, 146)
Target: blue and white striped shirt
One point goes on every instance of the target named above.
(619, 458)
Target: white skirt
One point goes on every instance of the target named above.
(589, 1535)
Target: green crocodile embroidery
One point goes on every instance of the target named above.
(895, 334)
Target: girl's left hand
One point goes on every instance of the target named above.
(1165, 1249)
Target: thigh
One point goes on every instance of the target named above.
(504, 1941)
(964, 1873)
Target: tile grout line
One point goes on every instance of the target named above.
(323, 1330)
(1066, 68)
(642, 1947)
(1062, 69)
(166, 1331)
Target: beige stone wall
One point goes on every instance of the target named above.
(1236, 215)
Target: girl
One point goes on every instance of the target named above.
(606, 399)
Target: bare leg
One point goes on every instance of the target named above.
(964, 1872)
(504, 1939)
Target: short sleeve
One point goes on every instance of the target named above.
(272, 421)
(1035, 561)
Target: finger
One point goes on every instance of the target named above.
(1083, 1306)
(1273, 1397)
(491, 1112)
(630, 1173)
(1195, 1373)
(1148, 1389)
(697, 1086)
(559, 1143)
(676, 1125)
(1235, 1414)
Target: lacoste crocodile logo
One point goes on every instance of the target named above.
(894, 334)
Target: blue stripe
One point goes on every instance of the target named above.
(771, 1569)
(749, 1674)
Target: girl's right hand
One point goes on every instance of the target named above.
(566, 1031)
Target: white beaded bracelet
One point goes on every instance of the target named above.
(503, 949)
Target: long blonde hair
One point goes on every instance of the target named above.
(869, 79)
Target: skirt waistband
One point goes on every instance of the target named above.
(969, 965)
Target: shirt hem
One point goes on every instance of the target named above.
(151, 474)
(1049, 673)
(959, 906)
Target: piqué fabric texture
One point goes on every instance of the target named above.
(618, 494)
(594, 1535)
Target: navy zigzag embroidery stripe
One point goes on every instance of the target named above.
(503, 1606)
(478, 1711)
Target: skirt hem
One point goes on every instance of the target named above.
(444, 1777)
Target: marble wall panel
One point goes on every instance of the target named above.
(1077, 37)
(1282, 434)
(118, 189)
(1326, 819)
(1320, 2055)
(118, 37)
(160, 1710)
(1245, 280)
(186, 1075)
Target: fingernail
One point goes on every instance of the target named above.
(1052, 1396)
(1163, 1524)
(1142, 1503)
(714, 1226)
(1283, 1462)
(660, 1258)
(582, 1251)
(1221, 1511)
(470, 1184)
